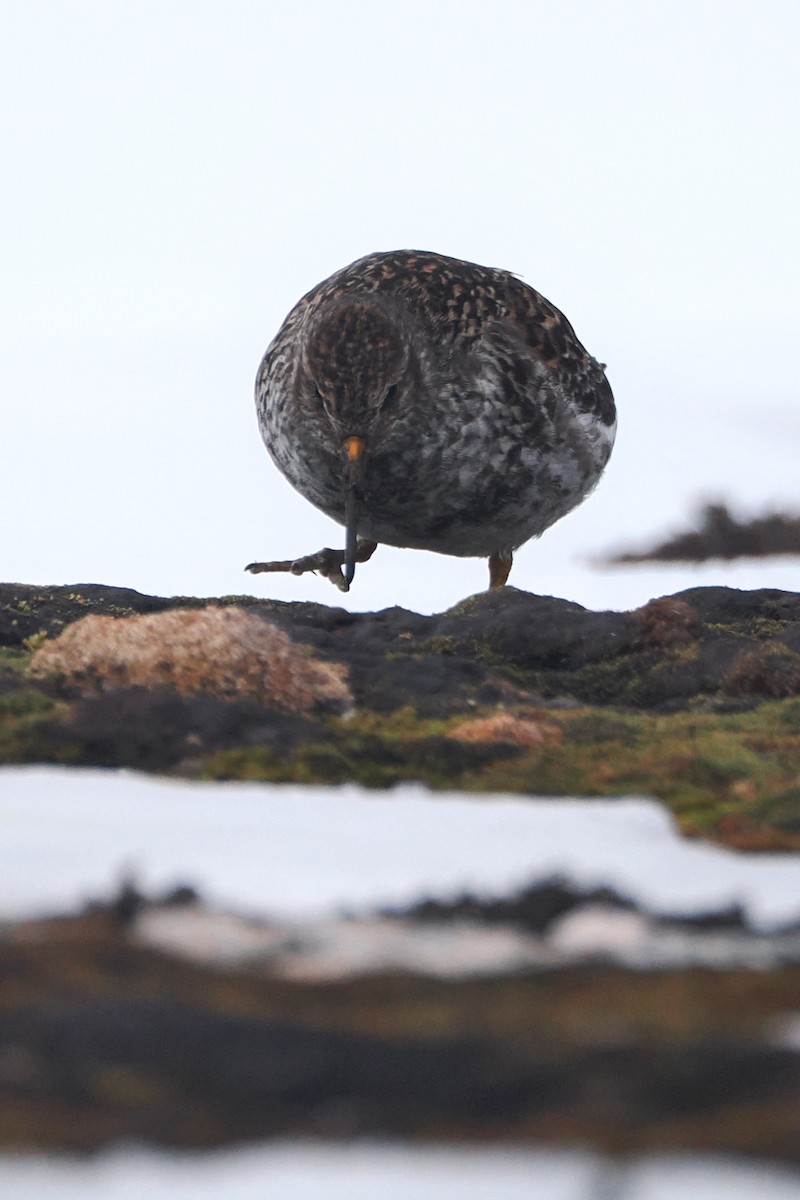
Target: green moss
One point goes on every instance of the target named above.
(14, 659)
(442, 644)
(594, 727)
(26, 729)
(253, 764)
(787, 715)
(729, 776)
(399, 725)
(25, 702)
(714, 771)
(760, 628)
(238, 601)
(781, 810)
(622, 680)
(465, 606)
(634, 678)
(376, 760)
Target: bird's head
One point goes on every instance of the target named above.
(356, 355)
(356, 373)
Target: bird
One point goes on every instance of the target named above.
(426, 402)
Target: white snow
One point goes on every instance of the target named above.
(67, 834)
(307, 1171)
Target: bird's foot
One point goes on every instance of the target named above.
(325, 562)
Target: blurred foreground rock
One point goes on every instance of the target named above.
(103, 1037)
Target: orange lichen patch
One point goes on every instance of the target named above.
(666, 622)
(505, 727)
(226, 652)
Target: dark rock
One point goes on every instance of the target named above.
(721, 535)
(26, 610)
(260, 1076)
(723, 919)
(534, 908)
(675, 648)
(532, 631)
(733, 606)
(182, 895)
(159, 729)
(103, 1041)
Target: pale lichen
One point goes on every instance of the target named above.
(225, 652)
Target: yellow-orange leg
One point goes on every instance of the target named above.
(500, 569)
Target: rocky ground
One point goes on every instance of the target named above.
(694, 698)
(111, 1028)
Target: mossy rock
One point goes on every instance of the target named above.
(694, 698)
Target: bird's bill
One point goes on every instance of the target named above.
(354, 452)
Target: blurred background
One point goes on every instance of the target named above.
(178, 174)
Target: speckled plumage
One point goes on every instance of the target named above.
(483, 418)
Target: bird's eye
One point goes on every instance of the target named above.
(324, 402)
(391, 396)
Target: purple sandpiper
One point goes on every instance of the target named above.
(426, 402)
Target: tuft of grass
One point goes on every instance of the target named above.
(35, 640)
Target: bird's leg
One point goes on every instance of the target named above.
(326, 562)
(500, 568)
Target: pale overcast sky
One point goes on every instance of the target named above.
(176, 174)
